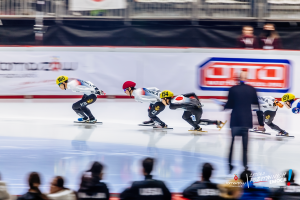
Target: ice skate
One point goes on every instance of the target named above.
(161, 126)
(93, 121)
(197, 130)
(284, 134)
(87, 121)
(148, 123)
(260, 130)
(221, 124)
(82, 120)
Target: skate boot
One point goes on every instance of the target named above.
(282, 133)
(161, 125)
(196, 129)
(259, 129)
(92, 121)
(83, 120)
(149, 123)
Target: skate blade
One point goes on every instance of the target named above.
(198, 131)
(146, 125)
(260, 132)
(78, 122)
(161, 128)
(223, 124)
(284, 136)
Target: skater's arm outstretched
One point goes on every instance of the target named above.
(192, 94)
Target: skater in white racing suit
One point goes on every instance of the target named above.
(266, 114)
(150, 95)
(88, 89)
(192, 108)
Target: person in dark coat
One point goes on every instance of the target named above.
(149, 189)
(204, 189)
(240, 99)
(34, 192)
(91, 186)
(291, 190)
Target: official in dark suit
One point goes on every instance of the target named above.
(240, 99)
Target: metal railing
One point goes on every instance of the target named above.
(192, 9)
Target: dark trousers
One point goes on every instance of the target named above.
(154, 110)
(267, 117)
(193, 117)
(239, 131)
(80, 107)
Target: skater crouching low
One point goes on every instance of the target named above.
(268, 108)
(90, 91)
(192, 109)
(150, 95)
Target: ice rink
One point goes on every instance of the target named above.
(39, 135)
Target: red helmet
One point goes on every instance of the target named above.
(128, 84)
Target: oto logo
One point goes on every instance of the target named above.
(267, 75)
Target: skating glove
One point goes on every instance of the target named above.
(100, 92)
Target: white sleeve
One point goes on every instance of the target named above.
(75, 87)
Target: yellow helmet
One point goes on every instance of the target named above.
(166, 94)
(61, 79)
(288, 97)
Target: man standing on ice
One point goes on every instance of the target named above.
(150, 95)
(90, 91)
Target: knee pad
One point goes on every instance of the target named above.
(75, 107)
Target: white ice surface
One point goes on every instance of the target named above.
(53, 119)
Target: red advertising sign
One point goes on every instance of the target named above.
(267, 75)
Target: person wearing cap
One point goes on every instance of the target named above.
(59, 192)
(203, 189)
(147, 189)
(91, 186)
(240, 99)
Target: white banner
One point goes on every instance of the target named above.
(207, 72)
(83, 5)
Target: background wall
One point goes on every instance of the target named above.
(33, 70)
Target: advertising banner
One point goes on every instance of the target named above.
(82, 5)
(207, 72)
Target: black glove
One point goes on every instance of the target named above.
(100, 92)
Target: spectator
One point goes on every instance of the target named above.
(204, 189)
(4, 195)
(269, 39)
(288, 192)
(91, 186)
(240, 99)
(59, 192)
(247, 40)
(251, 191)
(34, 192)
(231, 190)
(147, 189)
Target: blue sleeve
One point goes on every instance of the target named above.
(296, 110)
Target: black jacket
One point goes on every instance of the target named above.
(31, 196)
(194, 103)
(287, 192)
(240, 99)
(146, 190)
(202, 190)
(92, 189)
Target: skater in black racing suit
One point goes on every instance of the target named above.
(192, 109)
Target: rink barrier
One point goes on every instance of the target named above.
(99, 97)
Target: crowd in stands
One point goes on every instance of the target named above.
(268, 39)
(92, 187)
